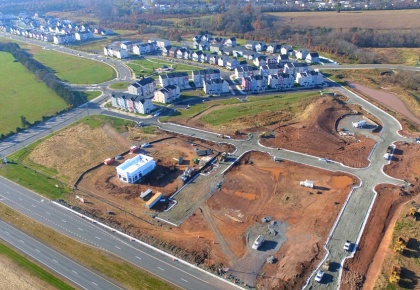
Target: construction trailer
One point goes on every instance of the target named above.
(395, 276)
(307, 183)
(258, 242)
(153, 200)
(360, 124)
(326, 265)
(145, 194)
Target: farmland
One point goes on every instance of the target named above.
(386, 19)
(23, 95)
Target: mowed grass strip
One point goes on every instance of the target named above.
(23, 95)
(255, 106)
(119, 85)
(31, 268)
(124, 273)
(75, 70)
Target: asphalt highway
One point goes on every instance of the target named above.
(70, 270)
(65, 222)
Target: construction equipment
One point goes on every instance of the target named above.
(266, 135)
(395, 276)
(400, 244)
(222, 157)
(326, 265)
(414, 208)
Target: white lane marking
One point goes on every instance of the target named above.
(118, 247)
(63, 221)
(80, 229)
(33, 205)
(74, 271)
(138, 257)
(22, 241)
(98, 238)
(55, 260)
(38, 250)
(94, 283)
(184, 280)
(47, 212)
(161, 268)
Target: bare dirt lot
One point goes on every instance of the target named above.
(14, 277)
(374, 250)
(260, 187)
(386, 19)
(317, 135)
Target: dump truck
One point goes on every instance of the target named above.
(400, 244)
(222, 157)
(395, 276)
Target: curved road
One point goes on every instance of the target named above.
(349, 224)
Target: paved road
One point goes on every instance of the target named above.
(367, 66)
(70, 270)
(65, 222)
(348, 226)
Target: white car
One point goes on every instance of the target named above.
(156, 115)
(319, 276)
(145, 145)
(347, 245)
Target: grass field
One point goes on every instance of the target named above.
(23, 95)
(129, 276)
(119, 86)
(255, 106)
(382, 19)
(30, 268)
(146, 66)
(75, 70)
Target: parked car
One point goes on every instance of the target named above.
(319, 276)
(145, 145)
(118, 157)
(156, 115)
(347, 245)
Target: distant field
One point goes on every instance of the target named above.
(23, 95)
(384, 19)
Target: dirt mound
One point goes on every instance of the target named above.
(317, 135)
(78, 148)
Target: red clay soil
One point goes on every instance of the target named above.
(389, 100)
(317, 135)
(368, 258)
(260, 187)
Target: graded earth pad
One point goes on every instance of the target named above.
(317, 135)
(300, 218)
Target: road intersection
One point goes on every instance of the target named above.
(349, 225)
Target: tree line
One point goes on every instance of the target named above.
(44, 74)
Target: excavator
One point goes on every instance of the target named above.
(414, 208)
(266, 134)
(395, 276)
(400, 244)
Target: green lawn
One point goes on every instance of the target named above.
(119, 86)
(146, 66)
(254, 106)
(23, 95)
(75, 70)
(32, 268)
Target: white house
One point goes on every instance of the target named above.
(312, 57)
(161, 43)
(301, 53)
(215, 86)
(132, 170)
(144, 87)
(167, 94)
